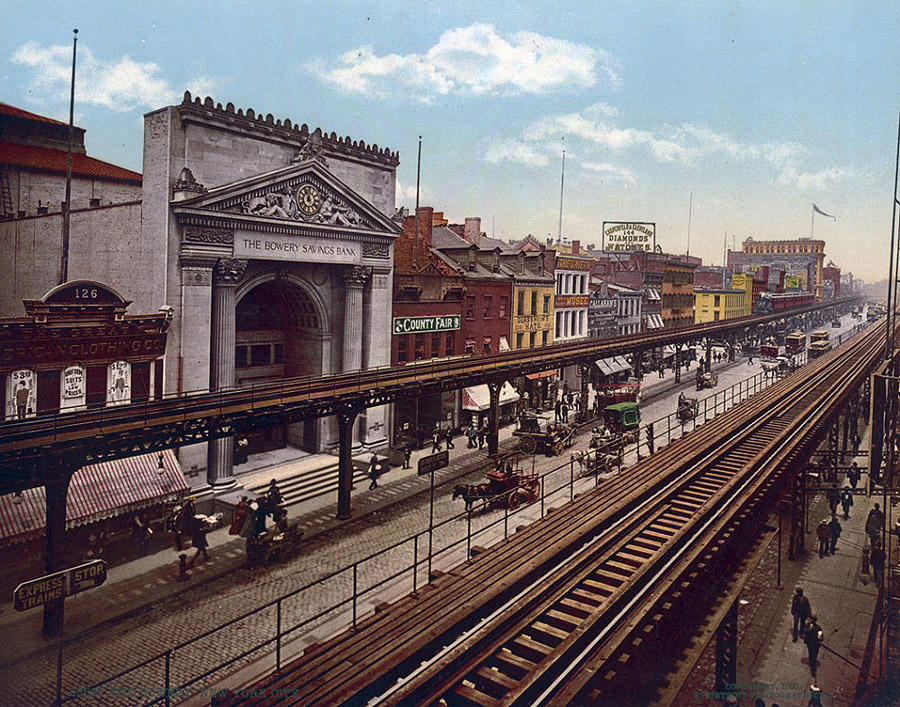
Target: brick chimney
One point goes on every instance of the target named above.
(472, 232)
(576, 247)
(406, 243)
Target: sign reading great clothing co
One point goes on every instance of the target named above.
(629, 235)
(301, 248)
(423, 325)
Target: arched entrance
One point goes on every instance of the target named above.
(278, 333)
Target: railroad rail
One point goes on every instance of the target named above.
(115, 431)
(590, 603)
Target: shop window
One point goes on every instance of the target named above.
(544, 337)
(470, 307)
(403, 349)
(488, 311)
(435, 345)
(531, 338)
(502, 307)
(546, 304)
(448, 344)
(260, 355)
(520, 304)
(519, 340)
(420, 347)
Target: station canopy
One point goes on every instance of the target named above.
(612, 365)
(478, 398)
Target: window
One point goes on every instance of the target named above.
(502, 307)
(470, 346)
(260, 355)
(531, 338)
(534, 301)
(520, 305)
(420, 347)
(716, 316)
(470, 307)
(716, 303)
(435, 345)
(519, 340)
(544, 337)
(240, 357)
(448, 344)
(488, 311)
(558, 324)
(403, 349)
(546, 304)
(486, 345)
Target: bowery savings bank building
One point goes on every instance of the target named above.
(279, 260)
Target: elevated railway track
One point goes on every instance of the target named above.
(115, 431)
(593, 603)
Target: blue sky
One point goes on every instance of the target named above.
(758, 108)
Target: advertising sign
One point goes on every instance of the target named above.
(581, 264)
(118, 383)
(72, 392)
(569, 301)
(308, 250)
(59, 585)
(21, 394)
(423, 325)
(433, 462)
(629, 235)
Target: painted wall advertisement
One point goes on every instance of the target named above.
(72, 392)
(118, 383)
(21, 395)
(629, 235)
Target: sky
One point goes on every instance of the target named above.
(717, 121)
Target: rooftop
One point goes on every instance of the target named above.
(47, 160)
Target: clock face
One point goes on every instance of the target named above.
(308, 199)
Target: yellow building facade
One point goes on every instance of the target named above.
(719, 305)
(532, 315)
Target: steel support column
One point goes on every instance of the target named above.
(584, 368)
(726, 651)
(346, 417)
(677, 363)
(56, 493)
(494, 418)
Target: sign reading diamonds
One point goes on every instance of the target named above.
(423, 325)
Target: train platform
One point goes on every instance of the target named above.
(135, 586)
(774, 668)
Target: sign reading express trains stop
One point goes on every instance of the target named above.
(423, 325)
(58, 585)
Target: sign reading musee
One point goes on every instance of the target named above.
(308, 250)
(423, 325)
(629, 235)
(59, 585)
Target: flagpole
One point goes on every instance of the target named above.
(690, 212)
(415, 264)
(562, 184)
(812, 222)
(64, 265)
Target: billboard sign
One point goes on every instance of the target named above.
(629, 235)
(423, 325)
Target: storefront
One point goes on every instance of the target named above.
(476, 404)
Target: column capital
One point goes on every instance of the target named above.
(357, 276)
(229, 271)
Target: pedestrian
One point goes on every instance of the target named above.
(473, 436)
(435, 441)
(199, 541)
(877, 560)
(175, 524)
(846, 501)
(407, 453)
(823, 535)
(374, 471)
(800, 610)
(853, 474)
(662, 370)
(557, 409)
(275, 503)
(874, 521)
(482, 436)
(449, 437)
(568, 398)
(240, 517)
(857, 440)
(141, 533)
(565, 412)
(835, 527)
(259, 518)
(834, 498)
(750, 360)
(812, 637)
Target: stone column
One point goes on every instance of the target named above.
(221, 374)
(354, 280)
(376, 349)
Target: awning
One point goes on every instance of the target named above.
(542, 374)
(613, 365)
(654, 321)
(96, 492)
(478, 397)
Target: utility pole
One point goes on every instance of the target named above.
(415, 264)
(64, 265)
(690, 213)
(562, 184)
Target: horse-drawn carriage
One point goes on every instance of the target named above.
(621, 423)
(506, 486)
(538, 433)
(687, 408)
(707, 379)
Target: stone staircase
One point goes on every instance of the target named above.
(312, 483)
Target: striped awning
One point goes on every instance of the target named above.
(477, 398)
(96, 492)
(613, 365)
(654, 321)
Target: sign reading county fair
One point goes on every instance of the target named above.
(629, 235)
(422, 325)
(307, 250)
(59, 585)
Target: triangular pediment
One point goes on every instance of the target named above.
(302, 194)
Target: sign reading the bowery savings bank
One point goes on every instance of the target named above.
(629, 235)
(263, 246)
(423, 325)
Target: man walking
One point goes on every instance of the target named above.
(834, 498)
(435, 441)
(448, 436)
(800, 610)
(374, 472)
(853, 474)
(407, 453)
(874, 523)
(835, 528)
(823, 535)
(482, 436)
(813, 639)
(877, 560)
(846, 501)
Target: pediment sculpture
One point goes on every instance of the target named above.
(307, 203)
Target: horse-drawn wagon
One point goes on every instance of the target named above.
(538, 433)
(506, 486)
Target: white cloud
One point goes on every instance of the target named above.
(814, 180)
(611, 172)
(516, 151)
(120, 85)
(473, 60)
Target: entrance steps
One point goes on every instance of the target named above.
(311, 483)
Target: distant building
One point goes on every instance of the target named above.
(801, 262)
(719, 305)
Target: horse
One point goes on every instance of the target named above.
(469, 493)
